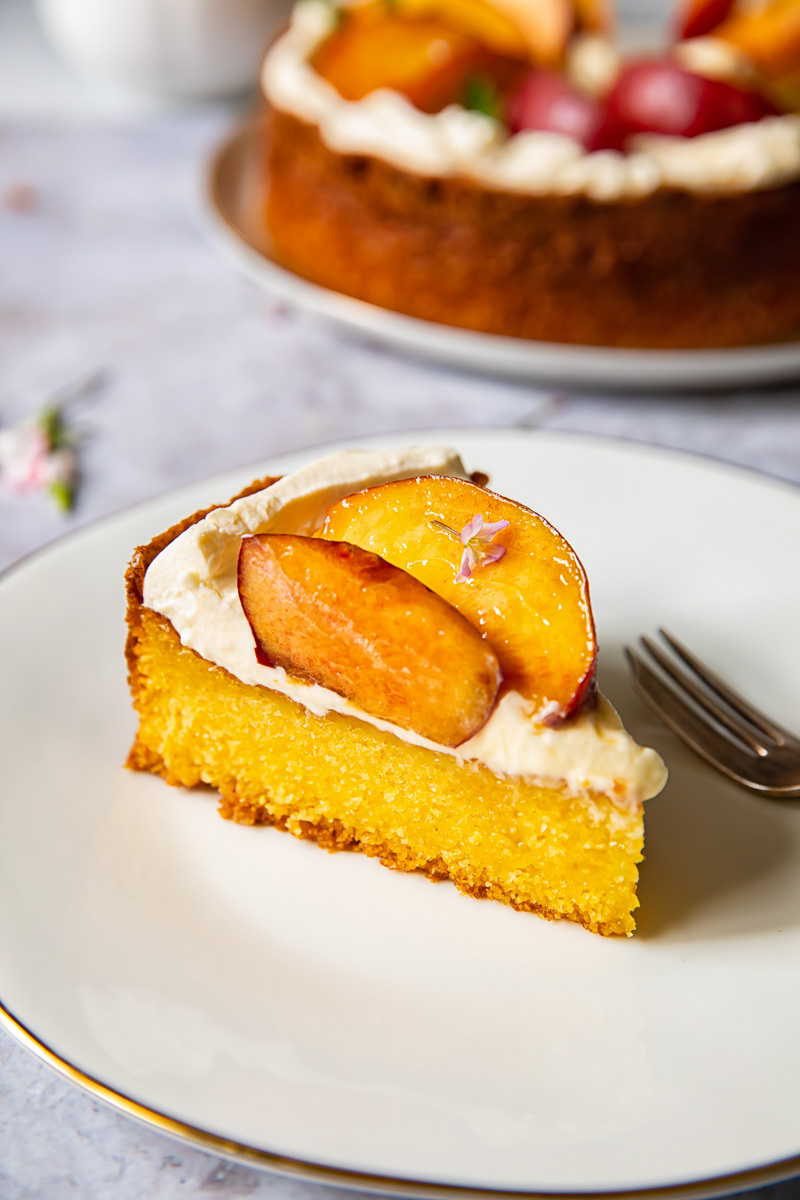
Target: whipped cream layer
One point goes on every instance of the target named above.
(456, 141)
(192, 582)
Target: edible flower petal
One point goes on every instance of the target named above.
(476, 537)
(37, 455)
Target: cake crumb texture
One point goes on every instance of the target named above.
(347, 785)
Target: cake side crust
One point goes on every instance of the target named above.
(668, 270)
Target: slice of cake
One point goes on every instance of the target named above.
(379, 653)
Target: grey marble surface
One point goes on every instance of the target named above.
(108, 276)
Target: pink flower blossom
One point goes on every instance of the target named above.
(476, 538)
(36, 455)
(23, 453)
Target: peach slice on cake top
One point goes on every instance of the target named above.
(337, 615)
(430, 50)
(426, 60)
(531, 604)
(767, 34)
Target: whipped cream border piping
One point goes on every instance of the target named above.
(455, 141)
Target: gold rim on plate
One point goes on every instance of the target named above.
(310, 1172)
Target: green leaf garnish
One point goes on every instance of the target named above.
(63, 495)
(481, 95)
(51, 423)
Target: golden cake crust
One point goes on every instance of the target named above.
(668, 270)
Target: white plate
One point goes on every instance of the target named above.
(341, 1021)
(229, 208)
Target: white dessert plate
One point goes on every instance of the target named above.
(231, 206)
(325, 1017)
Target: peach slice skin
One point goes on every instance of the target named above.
(769, 35)
(596, 16)
(696, 18)
(532, 606)
(337, 615)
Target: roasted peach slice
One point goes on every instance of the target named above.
(428, 49)
(337, 615)
(545, 25)
(768, 34)
(535, 31)
(427, 61)
(523, 589)
(480, 19)
(785, 91)
(595, 16)
(695, 18)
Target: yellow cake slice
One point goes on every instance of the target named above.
(540, 806)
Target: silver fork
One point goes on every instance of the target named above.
(716, 721)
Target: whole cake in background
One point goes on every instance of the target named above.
(378, 653)
(499, 165)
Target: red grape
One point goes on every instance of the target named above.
(656, 95)
(546, 100)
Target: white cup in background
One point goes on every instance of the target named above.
(172, 47)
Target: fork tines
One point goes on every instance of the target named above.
(715, 720)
